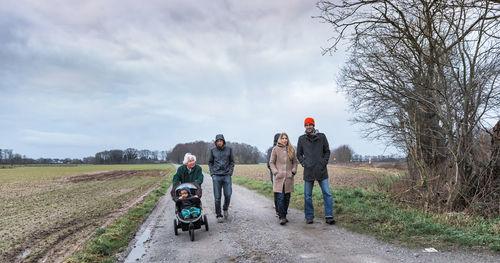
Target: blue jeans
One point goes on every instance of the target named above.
(327, 199)
(222, 183)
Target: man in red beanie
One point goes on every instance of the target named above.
(313, 153)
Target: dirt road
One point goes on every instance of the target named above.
(252, 234)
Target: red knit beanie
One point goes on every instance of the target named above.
(309, 120)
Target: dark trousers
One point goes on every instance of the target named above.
(283, 201)
(275, 200)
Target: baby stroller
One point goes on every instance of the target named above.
(191, 223)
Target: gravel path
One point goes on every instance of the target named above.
(252, 234)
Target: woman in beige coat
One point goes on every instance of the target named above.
(283, 163)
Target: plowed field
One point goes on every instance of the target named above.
(339, 175)
(48, 218)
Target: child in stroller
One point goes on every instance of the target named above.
(188, 204)
(188, 209)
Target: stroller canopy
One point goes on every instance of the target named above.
(193, 189)
(186, 185)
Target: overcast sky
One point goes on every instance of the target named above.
(79, 77)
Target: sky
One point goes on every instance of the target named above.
(80, 77)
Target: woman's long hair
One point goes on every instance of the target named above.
(289, 148)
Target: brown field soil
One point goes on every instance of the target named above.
(350, 175)
(50, 218)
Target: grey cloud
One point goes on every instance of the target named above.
(150, 74)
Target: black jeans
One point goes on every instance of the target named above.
(283, 201)
(275, 200)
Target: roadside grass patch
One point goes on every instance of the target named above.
(106, 243)
(263, 188)
(372, 212)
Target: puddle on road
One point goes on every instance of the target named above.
(24, 254)
(309, 256)
(140, 247)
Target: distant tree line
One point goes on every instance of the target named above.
(9, 157)
(243, 153)
(127, 156)
(345, 154)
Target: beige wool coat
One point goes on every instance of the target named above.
(283, 169)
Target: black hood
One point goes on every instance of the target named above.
(276, 138)
(220, 137)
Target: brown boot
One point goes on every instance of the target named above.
(282, 221)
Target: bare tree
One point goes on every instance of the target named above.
(424, 74)
(342, 154)
(100, 157)
(144, 155)
(163, 155)
(9, 156)
(176, 155)
(115, 156)
(131, 154)
(245, 153)
(154, 155)
(199, 149)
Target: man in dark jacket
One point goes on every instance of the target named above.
(313, 153)
(221, 164)
(269, 151)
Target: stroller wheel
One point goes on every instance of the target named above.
(205, 221)
(175, 227)
(191, 231)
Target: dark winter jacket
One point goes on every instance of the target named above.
(313, 153)
(184, 176)
(270, 150)
(221, 160)
(187, 203)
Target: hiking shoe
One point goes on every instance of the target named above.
(330, 220)
(226, 214)
(220, 219)
(309, 221)
(282, 221)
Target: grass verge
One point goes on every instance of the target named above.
(106, 243)
(374, 213)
